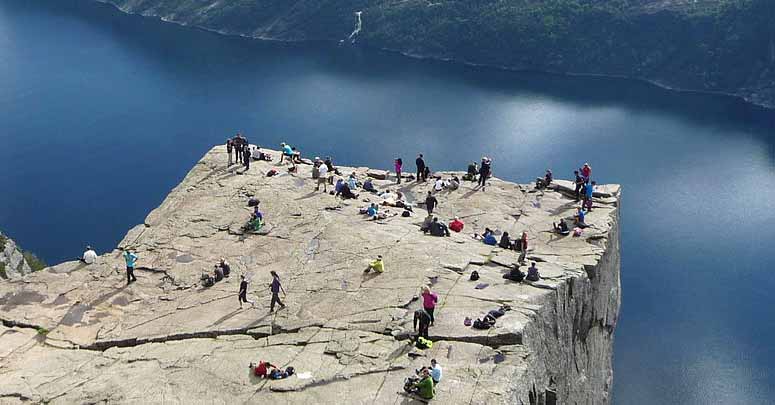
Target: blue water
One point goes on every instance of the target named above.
(101, 114)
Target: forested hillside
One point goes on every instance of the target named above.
(708, 45)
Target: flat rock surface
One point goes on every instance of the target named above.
(167, 338)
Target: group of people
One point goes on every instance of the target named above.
(515, 274)
(221, 270)
(425, 380)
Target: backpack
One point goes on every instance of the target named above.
(406, 213)
(423, 343)
(290, 371)
(474, 275)
(271, 173)
(479, 324)
(467, 321)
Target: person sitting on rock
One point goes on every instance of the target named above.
(437, 228)
(330, 165)
(439, 185)
(426, 224)
(261, 370)
(488, 237)
(225, 268)
(473, 171)
(368, 185)
(89, 256)
(286, 152)
(256, 220)
(544, 183)
(207, 280)
(346, 192)
(296, 155)
(515, 274)
(579, 218)
(377, 265)
(352, 181)
(338, 186)
(505, 242)
(561, 227)
(453, 184)
(372, 211)
(456, 225)
(218, 273)
(532, 273)
(436, 372)
(424, 388)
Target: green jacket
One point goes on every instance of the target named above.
(425, 388)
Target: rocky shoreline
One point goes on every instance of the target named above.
(78, 333)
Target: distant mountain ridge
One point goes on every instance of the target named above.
(719, 46)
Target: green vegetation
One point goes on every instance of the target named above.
(712, 45)
(3, 239)
(2, 270)
(34, 262)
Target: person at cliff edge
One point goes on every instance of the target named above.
(89, 256)
(246, 156)
(420, 163)
(130, 258)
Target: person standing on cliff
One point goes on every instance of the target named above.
(276, 287)
(229, 149)
(238, 148)
(579, 184)
(521, 245)
(399, 164)
(246, 156)
(420, 163)
(484, 171)
(429, 300)
(130, 258)
(430, 203)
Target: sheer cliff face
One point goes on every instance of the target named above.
(706, 45)
(76, 333)
(12, 262)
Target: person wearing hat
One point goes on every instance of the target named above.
(89, 256)
(377, 265)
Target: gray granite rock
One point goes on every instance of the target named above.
(166, 338)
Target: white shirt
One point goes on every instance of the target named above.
(439, 185)
(436, 373)
(89, 256)
(323, 170)
(255, 153)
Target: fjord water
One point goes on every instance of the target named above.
(101, 114)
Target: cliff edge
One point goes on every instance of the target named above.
(13, 264)
(76, 333)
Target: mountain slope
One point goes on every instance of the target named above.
(725, 46)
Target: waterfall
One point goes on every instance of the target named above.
(358, 25)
